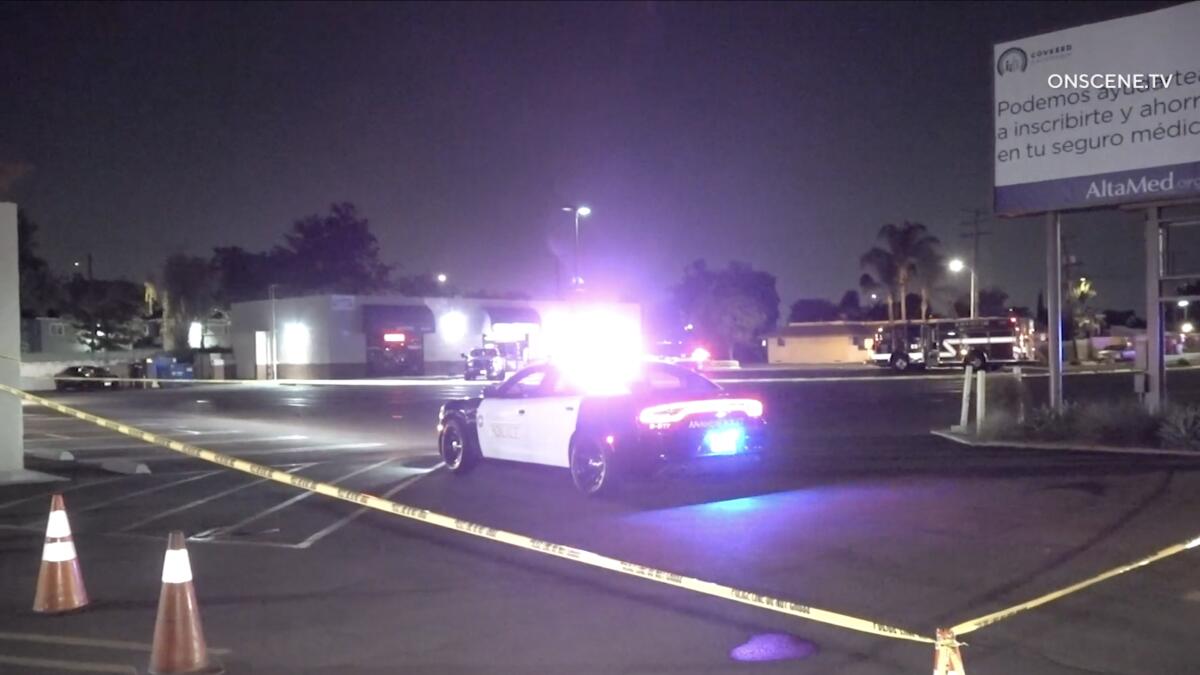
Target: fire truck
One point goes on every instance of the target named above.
(979, 343)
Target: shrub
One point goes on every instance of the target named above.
(1180, 428)
(1047, 424)
(1116, 423)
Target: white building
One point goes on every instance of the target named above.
(347, 336)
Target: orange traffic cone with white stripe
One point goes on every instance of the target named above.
(947, 660)
(60, 581)
(179, 645)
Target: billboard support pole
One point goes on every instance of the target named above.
(1054, 308)
(1153, 236)
(12, 451)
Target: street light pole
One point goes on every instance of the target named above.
(974, 296)
(274, 335)
(580, 212)
(957, 265)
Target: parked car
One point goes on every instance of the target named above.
(484, 362)
(1116, 353)
(85, 377)
(665, 415)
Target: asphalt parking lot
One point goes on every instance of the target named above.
(857, 510)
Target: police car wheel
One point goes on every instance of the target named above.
(455, 447)
(591, 467)
(899, 363)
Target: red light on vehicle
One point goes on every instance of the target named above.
(394, 337)
(669, 413)
(1012, 319)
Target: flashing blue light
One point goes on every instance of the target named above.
(725, 440)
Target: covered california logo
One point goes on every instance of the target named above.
(1012, 60)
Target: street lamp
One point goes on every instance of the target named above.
(957, 265)
(441, 278)
(580, 212)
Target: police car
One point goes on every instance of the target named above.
(663, 414)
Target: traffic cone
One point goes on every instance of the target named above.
(60, 581)
(946, 658)
(179, 645)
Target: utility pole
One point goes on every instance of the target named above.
(975, 232)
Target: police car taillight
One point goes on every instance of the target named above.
(665, 414)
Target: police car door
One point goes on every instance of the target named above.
(550, 420)
(501, 418)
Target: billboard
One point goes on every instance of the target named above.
(1096, 115)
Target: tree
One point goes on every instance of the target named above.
(704, 294)
(907, 249)
(240, 275)
(735, 317)
(992, 302)
(334, 253)
(188, 297)
(104, 311)
(41, 291)
(809, 310)
(850, 306)
(880, 279)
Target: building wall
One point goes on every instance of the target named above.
(50, 335)
(815, 349)
(337, 341)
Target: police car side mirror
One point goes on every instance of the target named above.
(490, 390)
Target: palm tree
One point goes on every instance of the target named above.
(881, 277)
(907, 248)
(931, 270)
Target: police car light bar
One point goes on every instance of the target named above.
(669, 413)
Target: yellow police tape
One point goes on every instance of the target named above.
(512, 539)
(995, 617)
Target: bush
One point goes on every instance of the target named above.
(1180, 428)
(1116, 423)
(1047, 424)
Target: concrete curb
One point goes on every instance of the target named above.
(1058, 445)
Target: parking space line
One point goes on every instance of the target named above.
(260, 453)
(326, 531)
(89, 642)
(74, 666)
(59, 491)
(203, 500)
(302, 496)
(229, 441)
(131, 495)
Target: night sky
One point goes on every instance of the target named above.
(781, 135)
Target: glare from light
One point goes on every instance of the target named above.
(701, 354)
(1187, 327)
(1183, 303)
(394, 337)
(725, 440)
(195, 335)
(584, 211)
(597, 348)
(689, 327)
(957, 265)
(453, 326)
(296, 344)
(441, 278)
(608, 440)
